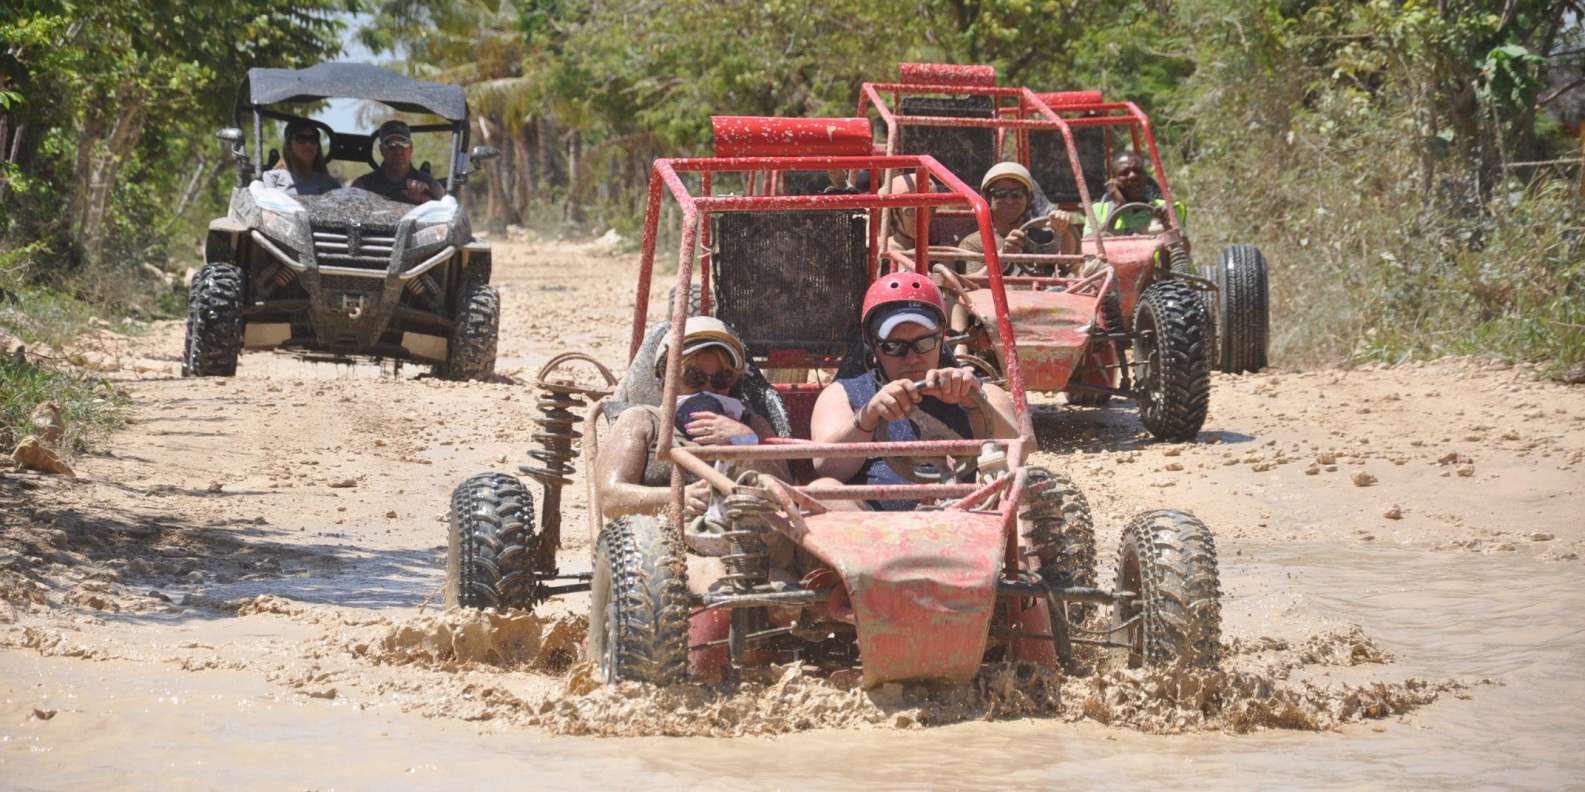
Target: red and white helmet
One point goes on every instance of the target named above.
(900, 290)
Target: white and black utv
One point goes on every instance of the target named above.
(347, 273)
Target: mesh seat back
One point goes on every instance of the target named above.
(966, 151)
(1049, 164)
(791, 280)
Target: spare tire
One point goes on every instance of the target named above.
(1243, 310)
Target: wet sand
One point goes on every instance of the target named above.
(1452, 580)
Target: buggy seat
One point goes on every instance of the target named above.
(793, 284)
(966, 151)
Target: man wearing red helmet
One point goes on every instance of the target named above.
(903, 321)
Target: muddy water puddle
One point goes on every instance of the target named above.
(1439, 616)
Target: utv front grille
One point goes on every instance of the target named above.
(360, 248)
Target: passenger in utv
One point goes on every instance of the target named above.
(396, 178)
(1010, 191)
(629, 477)
(902, 322)
(301, 170)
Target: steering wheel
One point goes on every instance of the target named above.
(1118, 212)
(931, 428)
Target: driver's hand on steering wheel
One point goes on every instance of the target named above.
(891, 403)
(951, 385)
(417, 190)
(1014, 242)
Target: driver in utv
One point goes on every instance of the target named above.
(908, 391)
(396, 178)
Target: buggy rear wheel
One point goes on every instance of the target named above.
(471, 353)
(638, 603)
(1168, 560)
(1243, 310)
(1172, 376)
(491, 544)
(214, 321)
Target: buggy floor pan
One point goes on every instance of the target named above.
(922, 586)
(1052, 328)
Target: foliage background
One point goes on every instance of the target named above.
(1372, 148)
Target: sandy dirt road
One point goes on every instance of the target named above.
(242, 590)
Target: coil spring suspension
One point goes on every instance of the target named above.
(748, 565)
(558, 403)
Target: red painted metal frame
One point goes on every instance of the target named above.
(1120, 114)
(666, 177)
(1030, 114)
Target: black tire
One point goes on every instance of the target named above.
(471, 354)
(492, 544)
(1060, 533)
(1168, 559)
(638, 603)
(214, 322)
(1243, 310)
(695, 299)
(1172, 377)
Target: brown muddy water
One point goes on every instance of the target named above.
(125, 719)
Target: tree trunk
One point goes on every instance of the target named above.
(100, 155)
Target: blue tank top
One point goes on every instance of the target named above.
(860, 390)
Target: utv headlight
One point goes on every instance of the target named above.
(430, 235)
(279, 226)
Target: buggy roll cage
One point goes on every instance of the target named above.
(1088, 109)
(666, 177)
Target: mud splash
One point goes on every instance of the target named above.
(459, 639)
(792, 698)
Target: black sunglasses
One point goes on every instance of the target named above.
(305, 137)
(720, 380)
(918, 346)
(1009, 193)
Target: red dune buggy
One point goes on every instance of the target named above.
(1117, 318)
(997, 561)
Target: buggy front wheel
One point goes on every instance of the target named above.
(1167, 560)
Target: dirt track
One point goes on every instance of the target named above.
(239, 579)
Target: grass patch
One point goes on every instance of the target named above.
(42, 316)
(90, 407)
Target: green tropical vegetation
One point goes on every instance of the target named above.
(1380, 151)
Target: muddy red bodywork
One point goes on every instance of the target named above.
(919, 589)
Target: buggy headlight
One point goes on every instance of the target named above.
(431, 235)
(279, 226)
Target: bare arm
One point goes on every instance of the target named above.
(619, 470)
(832, 422)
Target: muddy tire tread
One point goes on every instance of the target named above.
(649, 591)
(492, 544)
(471, 353)
(214, 321)
(1179, 346)
(1178, 586)
(1071, 544)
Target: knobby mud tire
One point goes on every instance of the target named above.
(1173, 377)
(1060, 532)
(214, 322)
(1243, 310)
(471, 354)
(492, 545)
(1168, 559)
(638, 620)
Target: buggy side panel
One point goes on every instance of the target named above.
(1133, 260)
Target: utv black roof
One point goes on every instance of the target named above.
(351, 81)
